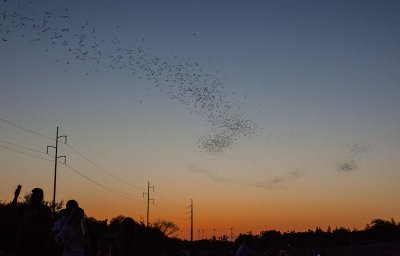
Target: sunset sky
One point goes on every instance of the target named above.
(307, 133)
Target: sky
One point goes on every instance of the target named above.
(268, 114)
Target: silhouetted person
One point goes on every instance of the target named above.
(16, 195)
(71, 204)
(64, 215)
(9, 219)
(71, 234)
(124, 242)
(34, 233)
(61, 220)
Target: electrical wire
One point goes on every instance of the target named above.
(168, 214)
(21, 152)
(102, 169)
(114, 191)
(168, 202)
(25, 129)
(72, 148)
(26, 148)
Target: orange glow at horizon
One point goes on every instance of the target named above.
(336, 201)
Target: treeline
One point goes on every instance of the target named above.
(377, 231)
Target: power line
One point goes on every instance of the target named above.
(114, 191)
(25, 129)
(168, 214)
(21, 152)
(97, 165)
(168, 202)
(72, 148)
(100, 168)
(23, 147)
(171, 212)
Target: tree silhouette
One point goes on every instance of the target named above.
(167, 227)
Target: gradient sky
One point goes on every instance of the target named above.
(320, 81)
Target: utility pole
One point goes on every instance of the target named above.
(191, 220)
(231, 234)
(148, 201)
(56, 157)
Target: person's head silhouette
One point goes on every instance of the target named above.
(37, 196)
(71, 205)
(76, 216)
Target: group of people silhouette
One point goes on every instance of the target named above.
(31, 228)
(34, 230)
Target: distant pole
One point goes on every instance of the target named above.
(55, 167)
(148, 201)
(55, 174)
(231, 234)
(191, 220)
(198, 234)
(202, 234)
(214, 232)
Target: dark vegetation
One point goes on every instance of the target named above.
(380, 237)
(98, 233)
